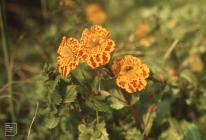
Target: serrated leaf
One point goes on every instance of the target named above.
(52, 122)
(81, 75)
(93, 131)
(82, 128)
(56, 98)
(97, 105)
(70, 94)
(53, 84)
(102, 128)
(117, 100)
(84, 132)
(96, 134)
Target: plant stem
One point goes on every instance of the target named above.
(97, 117)
(133, 111)
(171, 48)
(33, 119)
(8, 65)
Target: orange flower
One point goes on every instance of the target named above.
(97, 46)
(69, 3)
(145, 42)
(142, 30)
(68, 55)
(130, 73)
(95, 14)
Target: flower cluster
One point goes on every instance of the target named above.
(95, 14)
(131, 73)
(94, 48)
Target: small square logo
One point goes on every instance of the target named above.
(10, 129)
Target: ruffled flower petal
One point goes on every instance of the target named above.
(68, 55)
(131, 73)
(97, 46)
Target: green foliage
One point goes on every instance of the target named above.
(52, 122)
(97, 104)
(117, 100)
(93, 132)
(192, 133)
(71, 94)
(148, 122)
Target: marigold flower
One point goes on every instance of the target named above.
(97, 46)
(142, 30)
(95, 14)
(68, 55)
(131, 73)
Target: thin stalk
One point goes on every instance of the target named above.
(97, 117)
(171, 48)
(33, 119)
(133, 111)
(8, 66)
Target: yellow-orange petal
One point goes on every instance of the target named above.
(100, 31)
(131, 73)
(145, 70)
(68, 55)
(85, 37)
(109, 46)
(97, 46)
(66, 64)
(68, 46)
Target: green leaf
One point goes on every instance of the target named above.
(117, 100)
(95, 84)
(148, 121)
(56, 98)
(132, 134)
(81, 74)
(93, 131)
(189, 77)
(53, 84)
(170, 134)
(192, 133)
(70, 94)
(164, 108)
(98, 105)
(52, 122)
(84, 132)
(101, 132)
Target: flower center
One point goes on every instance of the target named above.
(66, 52)
(94, 42)
(128, 68)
